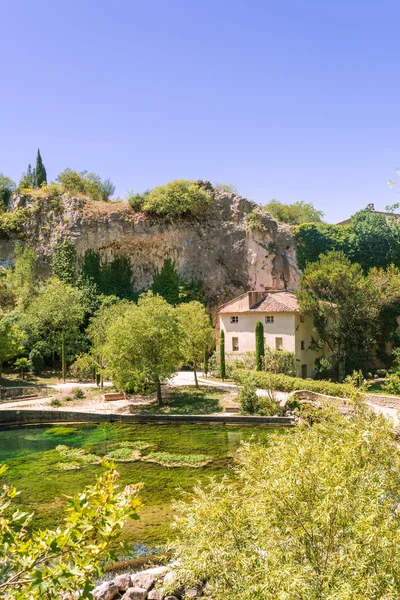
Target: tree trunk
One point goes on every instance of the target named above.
(1, 369)
(159, 396)
(63, 357)
(101, 381)
(341, 365)
(196, 383)
(23, 374)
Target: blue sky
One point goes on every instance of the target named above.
(288, 99)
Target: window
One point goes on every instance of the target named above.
(234, 319)
(235, 344)
(301, 319)
(269, 319)
(303, 346)
(279, 343)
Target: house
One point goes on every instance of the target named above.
(284, 328)
(371, 208)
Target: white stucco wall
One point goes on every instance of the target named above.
(287, 326)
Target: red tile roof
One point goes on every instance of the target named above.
(265, 302)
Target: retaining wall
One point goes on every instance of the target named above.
(28, 417)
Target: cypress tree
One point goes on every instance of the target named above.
(259, 345)
(41, 176)
(206, 362)
(222, 354)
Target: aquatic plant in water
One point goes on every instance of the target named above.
(177, 460)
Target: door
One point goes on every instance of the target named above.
(304, 371)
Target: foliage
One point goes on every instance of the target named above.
(222, 354)
(259, 345)
(143, 345)
(113, 278)
(343, 304)
(12, 223)
(228, 188)
(136, 200)
(314, 515)
(166, 282)
(22, 280)
(248, 398)
(239, 360)
(63, 261)
(88, 184)
(372, 240)
(295, 213)
(186, 400)
(28, 179)
(197, 333)
(11, 340)
(279, 361)
(392, 384)
(7, 187)
(177, 198)
(82, 368)
(46, 563)
(284, 383)
(41, 176)
(176, 460)
(23, 365)
(78, 393)
(57, 310)
(36, 360)
(255, 220)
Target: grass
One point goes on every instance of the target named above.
(187, 400)
(376, 387)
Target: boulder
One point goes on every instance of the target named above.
(106, 591)
(123, 582)
(144, 579)
(156, 594)
(135, 593)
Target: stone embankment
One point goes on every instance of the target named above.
(152, 584)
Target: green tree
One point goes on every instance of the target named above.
(28, 179)
(166, 282)
(294, 214)
(97, 332)
(143, 346)
(88, 184)
(177, 198)
(344, 306)
(7, 187)
(11, 341)
(55, 316)
(41, 176)
(197, 333)
(63, 261)
(22, 279)
(312, 516)
(259, 345)
(23, 365)
(54, 564)
(222, 354)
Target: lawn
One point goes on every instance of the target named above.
(376, 387)
(12, 378)
(188, 400)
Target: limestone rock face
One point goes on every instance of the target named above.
(219, 249)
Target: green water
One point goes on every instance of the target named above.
(34, 467)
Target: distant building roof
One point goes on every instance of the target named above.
(371, 208)
(265, 301)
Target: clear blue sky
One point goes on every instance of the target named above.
(287, 99)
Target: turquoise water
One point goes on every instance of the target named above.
(34, 466)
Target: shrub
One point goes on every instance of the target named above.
(78, 393)
(381, 372)
(7, 186)
(235, 361)
(136, 201)
(36, 360)
(68, 398)
(249, 401)
(280, 361)
(284, 383)
(86, 183)
(177, 198)
(268, 406)
(55, 402)
(82, 368)
(255, 221)
(392, 384)
(12, 223)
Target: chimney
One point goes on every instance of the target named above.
(370, 207)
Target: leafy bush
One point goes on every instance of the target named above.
(235, 361)
(78, 393)
(82, 368)
(63, 261)
(381, 372)
(7, 186)
(268, 406)
(284, 383)
(392, 384)
(12, 223)
(37, 361)
(280, 361)
(86, 183)
(249, 401)
(136, 201)
(177, 198)
(55, 402)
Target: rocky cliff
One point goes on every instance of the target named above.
(219, 249)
